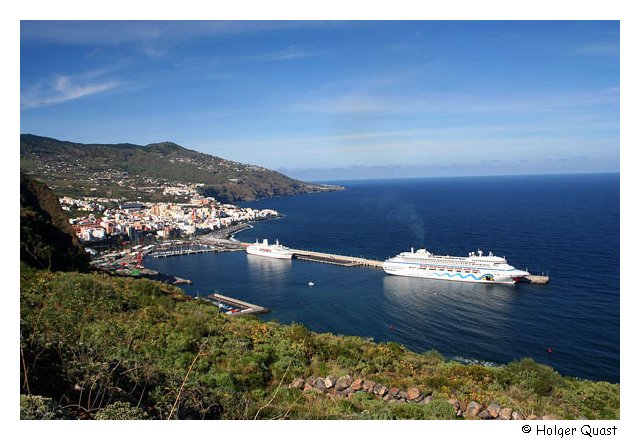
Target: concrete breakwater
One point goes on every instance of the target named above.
(239, 307)
(346, 386)
(537, 279)
(181, 251)
(342, 260)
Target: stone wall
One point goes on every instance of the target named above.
(346, 386)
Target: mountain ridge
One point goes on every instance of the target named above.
(129, 170)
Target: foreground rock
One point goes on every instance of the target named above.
(330, 382)
(474, 408)
(343, 383)
(346, 386)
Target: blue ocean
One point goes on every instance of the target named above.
(567, 226)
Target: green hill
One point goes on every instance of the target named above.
(135, 171)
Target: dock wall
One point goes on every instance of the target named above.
(246, 308)
(342, 260)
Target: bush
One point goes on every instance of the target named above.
(40, 408)
(439, 409)
(593, 400)
(407, 411)
(121, 411)
(526, 373)
(383, 413)
(433, 357)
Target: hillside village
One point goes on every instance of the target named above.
(137, 221)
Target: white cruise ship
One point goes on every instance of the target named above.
(270, 250)
(476, 268)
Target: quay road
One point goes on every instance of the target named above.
(340, 260)
(319, 257)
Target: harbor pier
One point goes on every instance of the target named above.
(537, 279)
(164, 252)
(340, 260)
(241, 307)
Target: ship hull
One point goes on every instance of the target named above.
(269, 254)
(415, 271)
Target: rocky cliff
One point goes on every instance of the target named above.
(47, 240)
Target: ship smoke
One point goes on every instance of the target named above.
(407, 216)
(403, 215)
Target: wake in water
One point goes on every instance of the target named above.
(468, 361)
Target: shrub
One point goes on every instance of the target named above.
(407, 411)
(121, 411)
(40, 408)
(593, 400)
(526, 373)
(439, 409)
(432, 357)
(383, 413)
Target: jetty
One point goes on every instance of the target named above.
(223, 244)
(536, 279)
(240, 307)
(340, 260)
(182, 250)
(315, 259)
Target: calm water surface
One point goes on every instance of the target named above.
(566, 225)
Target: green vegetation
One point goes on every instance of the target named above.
(95, 346)
(134, 171)
(103, 347)
(41, 408)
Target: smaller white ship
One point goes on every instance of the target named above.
(265, 249)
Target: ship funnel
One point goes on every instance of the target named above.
(412, 250)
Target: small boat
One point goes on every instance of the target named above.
(311, 283)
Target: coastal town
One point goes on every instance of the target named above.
(105, 223)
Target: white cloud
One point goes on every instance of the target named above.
(65, 88)
(600, 49)
(442, 103)
(290, 53)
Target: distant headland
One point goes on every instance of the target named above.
(156, 172)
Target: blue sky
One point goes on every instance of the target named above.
(336, 100)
